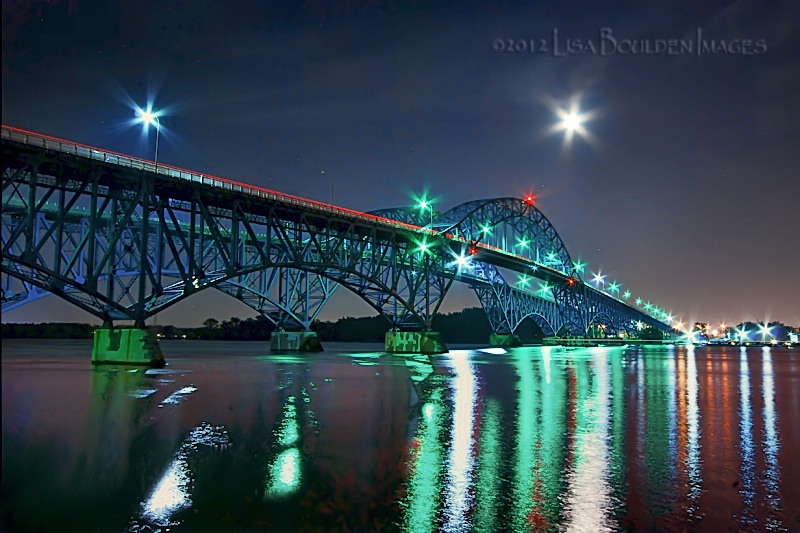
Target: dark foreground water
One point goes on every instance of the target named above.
(230, 438)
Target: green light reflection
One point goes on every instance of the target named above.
(284, 474)
(422, 504)
(489, 461)
(539, 454)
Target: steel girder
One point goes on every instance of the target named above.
(515, 226)
(124, 239)
(124, 247)
(290, 298)
(512, 225)
(505, 306)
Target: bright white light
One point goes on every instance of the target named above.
(169, 495)
(599, 279)
(463, 262)
(147, 116)
(572, 121)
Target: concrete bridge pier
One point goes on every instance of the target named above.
(126, 346)
(294, 341)
(417, 342)
(506, 340)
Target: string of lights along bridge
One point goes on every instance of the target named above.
(124, 238)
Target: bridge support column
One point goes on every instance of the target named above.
(422, 342)
(504, 339)
(294, 341)
(126, 346)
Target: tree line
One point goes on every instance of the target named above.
(467, 326)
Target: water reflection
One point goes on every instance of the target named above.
(527, 508)
(539, 439)
(488, 486)
(587, 502)
(421, 504)
(693, 433)
(284, 472)
(458, 499)
(659, 430)
(172, 492)
(771, 444)
(747, 489)
(539, 456)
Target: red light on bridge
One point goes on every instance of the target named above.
(472, 249)
(529, 199)
(571, 281)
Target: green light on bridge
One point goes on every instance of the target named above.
(626, 294)
(579, 266)
(638, 301)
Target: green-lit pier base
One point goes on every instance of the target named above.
(504, 339)
(126, 346)
(422, 342)
(294, 341)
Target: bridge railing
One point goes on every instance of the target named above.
(107, 156)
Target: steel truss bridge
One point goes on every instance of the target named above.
(123, 239)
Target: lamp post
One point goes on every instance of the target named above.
(147, 118)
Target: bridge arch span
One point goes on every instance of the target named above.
(544, 324)
(515, 226)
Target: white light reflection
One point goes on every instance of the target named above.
(588, 504)
(693, 421)
(747, 489)
(458, 498)
(771, 443)
(176, 397)
(171, 493)
(546, 362)
(493, 351)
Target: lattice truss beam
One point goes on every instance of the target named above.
(124, 244)
(126, 252)
(518, 227)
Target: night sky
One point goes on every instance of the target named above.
(685, 188)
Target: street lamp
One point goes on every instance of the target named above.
(149, 117)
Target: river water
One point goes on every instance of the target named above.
(230, 438)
